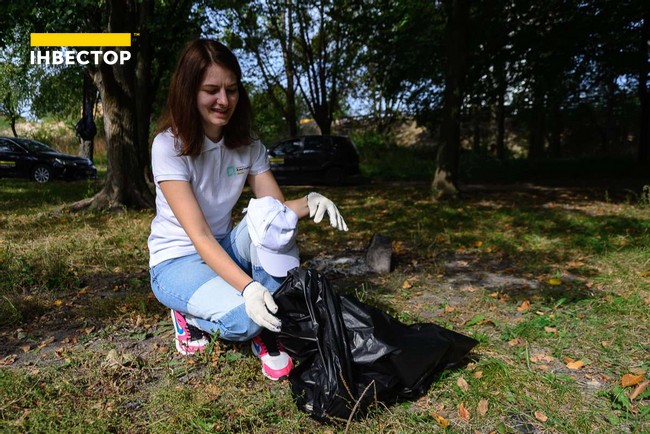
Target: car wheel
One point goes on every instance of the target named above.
(41, 174)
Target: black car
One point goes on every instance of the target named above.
(315, 159)
(26, 158)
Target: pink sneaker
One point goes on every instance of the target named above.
(276, 363)
(189, 339)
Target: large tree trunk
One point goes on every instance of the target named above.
(555, 133)
(291, 115)
(501, 111)
(644, 133)
(445, 180)
(86, 143)
(537, 124)
(126, 118)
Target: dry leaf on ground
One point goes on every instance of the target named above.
(524, 306)
(441, 420)
(631, 380)
(463, 413)
(482, 407)
(575, 365)
(540, 416)
(462, 384)
(519, 342)
(639, 390)
(9, 360)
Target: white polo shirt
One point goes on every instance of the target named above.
(217, 177)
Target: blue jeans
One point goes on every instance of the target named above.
(188, 285)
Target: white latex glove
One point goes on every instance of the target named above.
(258, 302)
(319, 205)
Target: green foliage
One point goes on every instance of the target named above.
(381, 159)
(60, 94)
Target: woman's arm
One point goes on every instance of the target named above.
(264, 184)
(185, 207)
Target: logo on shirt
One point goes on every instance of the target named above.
(234, 171)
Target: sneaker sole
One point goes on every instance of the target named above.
(257, 354)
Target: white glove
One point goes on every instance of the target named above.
(319, 204)
(258, 302)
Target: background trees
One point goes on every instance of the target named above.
(498, 78)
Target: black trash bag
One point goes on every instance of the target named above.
(349, 354)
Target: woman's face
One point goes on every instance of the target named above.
(217, 99)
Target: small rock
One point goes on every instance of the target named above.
(379, 254)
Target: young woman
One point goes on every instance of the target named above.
(207, 272)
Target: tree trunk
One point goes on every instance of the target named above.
(476, 129)
(555, 135)
(501, 111)
(144, 100)
(125, 120)
(12, 121)
(86, 144)
(644, 133)
(537, 124)
(445, 180)
(291, 117)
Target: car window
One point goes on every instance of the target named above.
(7, 146)
(287, 148)
(34, 146)
(314, 144)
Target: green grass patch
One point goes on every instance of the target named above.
(540, 279)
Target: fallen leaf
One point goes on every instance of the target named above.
(478, 244)
(58, 302)
(46, 342)
(550, 329)
(631, 380)
(478, 374)
(25, 348)
(444, 423)
(449, 309)
(554, 281)
(639, 390)
(462, 384)
(519, 342)
(541, 357)
(540, 416)
(524, 306)
(463, 413)
(637, 371)
(9, 360)
(482, 407)
(575, 365)
(407, 285)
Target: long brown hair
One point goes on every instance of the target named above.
(182, 115)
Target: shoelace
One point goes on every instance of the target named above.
(195, 332)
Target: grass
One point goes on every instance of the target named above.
(541, 277)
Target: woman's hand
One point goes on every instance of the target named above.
(258, 302)
(319, 205)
